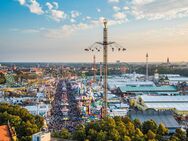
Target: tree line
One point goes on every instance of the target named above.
(121, 129)
(24, 123)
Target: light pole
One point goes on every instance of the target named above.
(105, 44)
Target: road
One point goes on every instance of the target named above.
(65, 110)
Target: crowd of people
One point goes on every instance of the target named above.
(65, 109)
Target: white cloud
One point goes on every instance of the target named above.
(72, 20)
(101, 20)
(126, 8)
(54, 13)
(113, 1)
(35, 8)
(142, 2)
(88, 17)
(65, 30)
(119, 16)
(57, 15)
(159, 9)
(30, 31)
(116, 8)
(115, 22)
(56, 5)
(49, 5)
(52, 5)
(111, 22)
(69, 29)
(75, 14)
(22, 2)
(98, 10)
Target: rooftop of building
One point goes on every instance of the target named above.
(147, 88)
(180, 103)
(171, 99)
(4, 133)
(41, 133)
(165, 117)
(179, 107)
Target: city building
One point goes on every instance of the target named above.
(132, 90)
(175, 79)
(7, 133)
(164, 117)
(177, 103)
(4, 133)
(128, 80)
(39, 109)
(41, 136)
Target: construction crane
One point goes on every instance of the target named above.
(105, 45)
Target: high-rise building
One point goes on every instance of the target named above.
(168, 61)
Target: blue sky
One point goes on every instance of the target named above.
(59, 30)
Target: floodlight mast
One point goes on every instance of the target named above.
(105, 45)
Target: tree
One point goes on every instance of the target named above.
(132, 102)
(39, 121)
(2, 78)
(180, 134)
(65, 134)
(162, 130)
(113, 134)
(80, 133)
(117, 119)
(138, 133)
(55, 134)
(139, 136)
(101, 136)
(149, 125)
(126, 119)
(92, 134)
(20, 119)
(121, 128)
(137, 123)
(150, 135)
(131, 129)
(15, 120)
(174, 138)
(126, 138)
(110, 122)
(26, 138)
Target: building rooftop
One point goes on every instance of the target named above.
(41, 133)
(160, 99)
(165, 117)
(178, 106)
(180, 103)
(178, 79)
(4, 133)
(147, 88)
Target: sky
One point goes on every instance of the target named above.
(60, 30)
